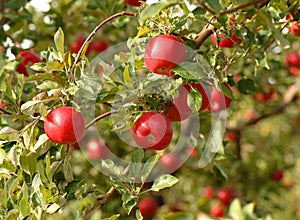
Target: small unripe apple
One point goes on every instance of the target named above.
(96, 150)
(163, 53)
(217, 211)
(295, 29)
(28, 58)
(226, 42)
(180, 109)
(64, 125)
(134, 2)
(170, 162)
(225, 196)
(218, 100)
(277, 175)
(293, 59)
(152, 130)
(148, 207)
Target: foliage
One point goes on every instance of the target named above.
(40, 179)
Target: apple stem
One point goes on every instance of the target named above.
(97, 28)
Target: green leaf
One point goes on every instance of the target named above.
(113, 217)
(138, 214)
(129, 202)
(194, 99)
(89, 85)
(31, 107)
(179, 216)
(214, 143)
(235, 210)
(198, 12)
(164, 181)
(9, 134)
(42, 145)
(28, 163)
(267, 20)
(154, 9)
(68, 172)
(53, 208)
(137, 155)
(148, 167)
(101, 4)
(126, 74)
(59, 41)
(24, 202)
(246, 86)
(215, 5)
(190, 70)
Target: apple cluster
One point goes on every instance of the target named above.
(224, 197)
(153, 130)
(293, 62)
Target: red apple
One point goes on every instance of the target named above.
(277, 175)
(28, 58)
(180, 109)
(163, 53)
(148, 207)
(134, 2)
(231, 136)
(294, 71)
(96, 150)
(170, 162)
(209, 192)
(64, 125)
(228, 42)
(293, 59)
(217, 211)
(225, 196)
(218, 100)
(295, 29)
(152, 130)
(1, 105)
(100, 46)
(75, 47)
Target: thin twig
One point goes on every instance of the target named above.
(5, 112)
(98, 118)
(89, 38)
(203, 35)
(108, 194)
(244, 5)
(206, 7)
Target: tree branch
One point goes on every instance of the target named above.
(89, 38)
(206, 7)
(203, 35)
(98, 118)
(108, 194)
(259, 3)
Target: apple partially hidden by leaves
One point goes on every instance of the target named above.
(96, 150)
(228, 42)
(180, 109)
(148, 207)
(64, 125)
(28, 58)
(152, 130)
(218, 100)
(295, 29)
(75, 47)
(163, 53)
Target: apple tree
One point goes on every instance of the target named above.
(160, 109)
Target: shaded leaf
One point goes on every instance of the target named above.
(59, 41)
(246, 86)
(155, 8)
